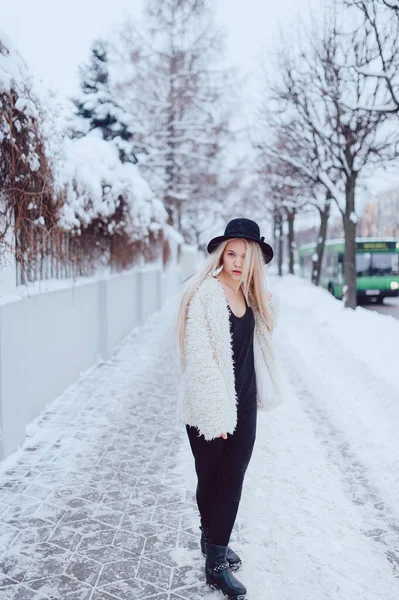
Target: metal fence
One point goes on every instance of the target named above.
(49, 256)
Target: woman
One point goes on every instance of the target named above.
(228, 371)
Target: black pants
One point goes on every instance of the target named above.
(221, 465)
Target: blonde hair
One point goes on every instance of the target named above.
(252, 284)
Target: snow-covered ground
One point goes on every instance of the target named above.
(99, 503)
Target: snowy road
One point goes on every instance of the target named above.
(389, 307)
(99, 504)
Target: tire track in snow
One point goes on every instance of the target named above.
(383, 526)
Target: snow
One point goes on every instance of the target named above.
(88, 174)
(353, 217)
(41, 105)
(333, 189)
(189, 249)
(359, 387)
(14, 73)
(173, 235)
(95, 179)
(16, 78)
(100, 500)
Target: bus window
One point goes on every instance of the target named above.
(329, 265)
(385, 264)
(302, 266)
(338, 267)
(363, 264)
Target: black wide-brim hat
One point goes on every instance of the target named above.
(246, 230)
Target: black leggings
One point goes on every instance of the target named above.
(221, 465)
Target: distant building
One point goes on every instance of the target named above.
(381, 217)
(368, 221)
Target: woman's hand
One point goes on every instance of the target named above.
(224, 436)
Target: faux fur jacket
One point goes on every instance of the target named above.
(207, 393)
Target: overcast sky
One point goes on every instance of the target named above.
(55, 37)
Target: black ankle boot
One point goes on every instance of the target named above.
(219, 576)
(233, 559)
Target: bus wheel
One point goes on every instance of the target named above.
(379, 300)
(331, 289)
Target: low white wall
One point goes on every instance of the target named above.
(190, 260)
(170, 281)
(150, 283)
(120, 300)
(48, 339)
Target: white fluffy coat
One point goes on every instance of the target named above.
(207, 394)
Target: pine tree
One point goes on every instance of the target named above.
(97, 110)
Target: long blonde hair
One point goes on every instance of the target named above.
(252, 283)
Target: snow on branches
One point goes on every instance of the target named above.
(26, 177)
(315, 123)
(379, 26)
(98, 186)
(66, 201)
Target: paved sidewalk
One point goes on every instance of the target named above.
(92, 508)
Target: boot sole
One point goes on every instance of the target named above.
(216, 588)
(233, 567)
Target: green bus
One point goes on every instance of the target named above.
(377, 267)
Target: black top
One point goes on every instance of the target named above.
(242, 330)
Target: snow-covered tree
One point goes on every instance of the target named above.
(331, 139)
(286, 161)
(380, 27)
(97, 110)
(28, 145)
(178, 92)
(67, 206)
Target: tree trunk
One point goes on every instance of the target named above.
(321, 240)
(349, 222)
(280, 244)
(291, 239)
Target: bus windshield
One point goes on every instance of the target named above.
(369, 265)
(385, 264)
(363, 264)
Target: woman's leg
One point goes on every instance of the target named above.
(234, 462)
(207, 455)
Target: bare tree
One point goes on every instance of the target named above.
(292, 156)
(379, 25)
(327, 136)
(324, 208)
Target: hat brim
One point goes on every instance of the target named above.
(267, 250)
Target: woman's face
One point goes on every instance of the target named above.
(233, 259)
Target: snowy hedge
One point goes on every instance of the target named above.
(96, 183)
(71, 199)
(26, 180)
